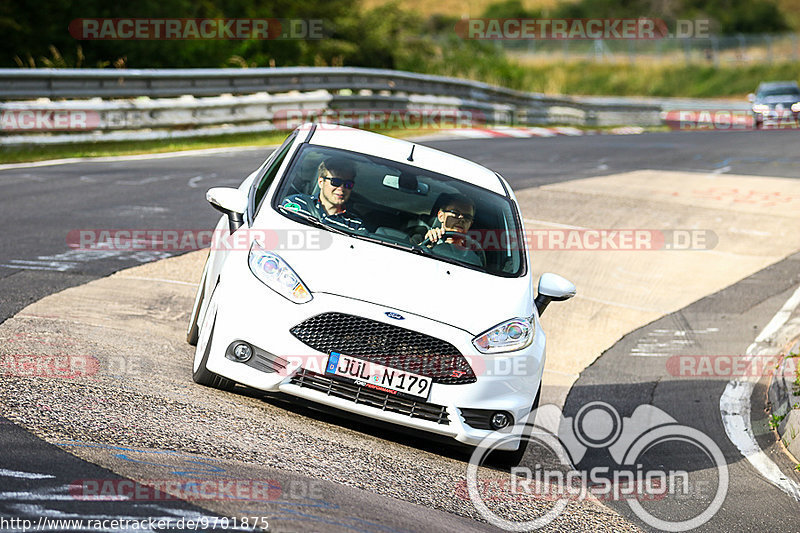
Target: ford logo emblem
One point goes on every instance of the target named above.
(396, 316)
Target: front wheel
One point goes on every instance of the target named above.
(192, 333)
(201, 374)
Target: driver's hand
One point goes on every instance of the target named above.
(434, 235)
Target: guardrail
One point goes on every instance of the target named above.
(78, 105)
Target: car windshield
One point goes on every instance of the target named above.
(780, 91)
(398, 205)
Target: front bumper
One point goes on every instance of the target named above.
(248, 311)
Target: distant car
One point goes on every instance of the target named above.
(777, 102)
(375, 319)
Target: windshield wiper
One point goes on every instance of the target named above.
(313, 220)
(405, 247)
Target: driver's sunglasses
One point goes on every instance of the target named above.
(468, 218)
(338, 182)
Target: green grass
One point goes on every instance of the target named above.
(100, 149)
(634, 79)
(775, 421)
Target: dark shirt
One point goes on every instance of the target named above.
(305, 203)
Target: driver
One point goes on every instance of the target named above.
(455, 216)
(336, 179)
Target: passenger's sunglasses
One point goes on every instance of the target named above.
(338, 182)
(468, 218)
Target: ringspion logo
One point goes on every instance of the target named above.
(631, 474)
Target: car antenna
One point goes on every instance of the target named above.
(411, 155)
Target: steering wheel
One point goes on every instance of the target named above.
(472, 244)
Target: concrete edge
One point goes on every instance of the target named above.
(784, 400)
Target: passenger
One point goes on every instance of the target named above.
(336, 179)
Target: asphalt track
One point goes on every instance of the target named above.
(41, 204)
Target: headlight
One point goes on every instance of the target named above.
(511, 335)
(796, 107)
(760, 108)
(276, 274)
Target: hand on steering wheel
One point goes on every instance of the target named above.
(435, 234)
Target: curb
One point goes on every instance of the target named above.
(783, 395)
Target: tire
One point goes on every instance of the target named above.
(508, 459)
(203, 375)
(193, 333)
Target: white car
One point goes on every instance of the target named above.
(322, 285)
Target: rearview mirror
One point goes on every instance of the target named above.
(553, 287)
(231, 202)
(405, 183)
(751, 98)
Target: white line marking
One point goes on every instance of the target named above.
(137, 157)
(721, 170)
(32, 496)
(23, 475)
(734, 405)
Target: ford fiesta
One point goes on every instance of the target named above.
(378, 277)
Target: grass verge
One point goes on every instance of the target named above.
(100, 149)
(643, 78)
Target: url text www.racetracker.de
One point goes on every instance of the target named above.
(198, 523)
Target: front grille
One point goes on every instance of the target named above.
(373, 398)
(386, 345)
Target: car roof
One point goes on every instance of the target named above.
(346, 138)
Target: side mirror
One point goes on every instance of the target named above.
(231, 202)
(751, 98)
(553, 287)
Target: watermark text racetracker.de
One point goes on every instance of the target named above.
(386, 119)
(194, 28)
(728, 367)
(589, 239)
(48, 119)
(176, 489)
(69, 366)
(315, 239)
(578, 28)
(182, 240)
(597, 454)
(731, 119)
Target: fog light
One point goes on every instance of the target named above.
(500, 420)
(242, 352)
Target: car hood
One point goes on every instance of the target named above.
(410, 283)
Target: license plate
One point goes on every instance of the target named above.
(378, 377)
